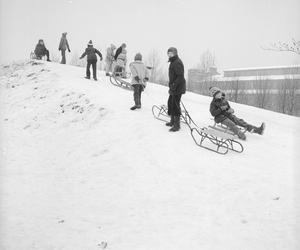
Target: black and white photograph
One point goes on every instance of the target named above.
(149, 125)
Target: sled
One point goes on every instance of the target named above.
(223, 128)
(161, 113)
(215, 140)
(34, 57)
(116, 79)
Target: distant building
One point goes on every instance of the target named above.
(196, 76)
(266, 71)
(253, 86)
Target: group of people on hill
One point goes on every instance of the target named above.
(116, 63)
(40, 49)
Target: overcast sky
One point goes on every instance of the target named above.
(233, 30)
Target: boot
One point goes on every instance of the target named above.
(241, 135)
(170, 123)
(87, 77)
(107, 74)
(176, 125)
(134, 107)
(95, 78)
(260, 130)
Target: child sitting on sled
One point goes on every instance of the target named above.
(223, 113)
(120, 64)
(140, 76)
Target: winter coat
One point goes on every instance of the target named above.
(91, 52)
(119, 50)
(138, 69)
(177, 82)
(40, 50)
(121, 59)
(63, 45)
(109, 54)
(216, 111)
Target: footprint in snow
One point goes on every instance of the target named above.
(103, 245)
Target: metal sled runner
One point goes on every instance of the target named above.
(214, 138)
(161, 113)
(117, 80)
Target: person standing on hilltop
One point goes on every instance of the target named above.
(91, 52)
(109, 58)
(177, 87)
(63, 46)
(140, 76)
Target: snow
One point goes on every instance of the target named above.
(79, 170)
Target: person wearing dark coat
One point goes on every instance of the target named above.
(119, 50)
(40, 50)
(223, 113)
(177, 87)
(91, 52)
(63, 46)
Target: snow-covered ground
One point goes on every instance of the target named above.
(79, 170)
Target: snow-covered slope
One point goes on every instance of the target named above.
(79, 170)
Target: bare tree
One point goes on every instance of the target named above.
(262, 92)
(76, 61)
(207, 60)
(293, 46)
(157, 73)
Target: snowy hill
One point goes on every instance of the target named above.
(79, 170)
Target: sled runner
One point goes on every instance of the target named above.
(117, 80)
(212, 138)
(223, 128)
(161, 113)
(206, 137)
(33, 56)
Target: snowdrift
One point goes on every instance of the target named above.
(79, 170)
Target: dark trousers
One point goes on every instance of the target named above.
(94, 66)
(232, 122)
(63, 56)
(39, 57)
(137, 92)
(174, 105)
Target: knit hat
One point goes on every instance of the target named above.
(90, 43)
(214, 90)
(123, 45)
(138, 57)
(113, 46)
(173, 50)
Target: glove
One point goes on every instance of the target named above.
(69, 50)
(146, 79)
(224, 107)
(101, 59)
(230, 110)
(137, 78)
(171, 92)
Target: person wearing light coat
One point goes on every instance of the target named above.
(109, 58)
(140, 76)
(63, 46)
(120, 63)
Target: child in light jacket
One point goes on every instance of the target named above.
(140, 76)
